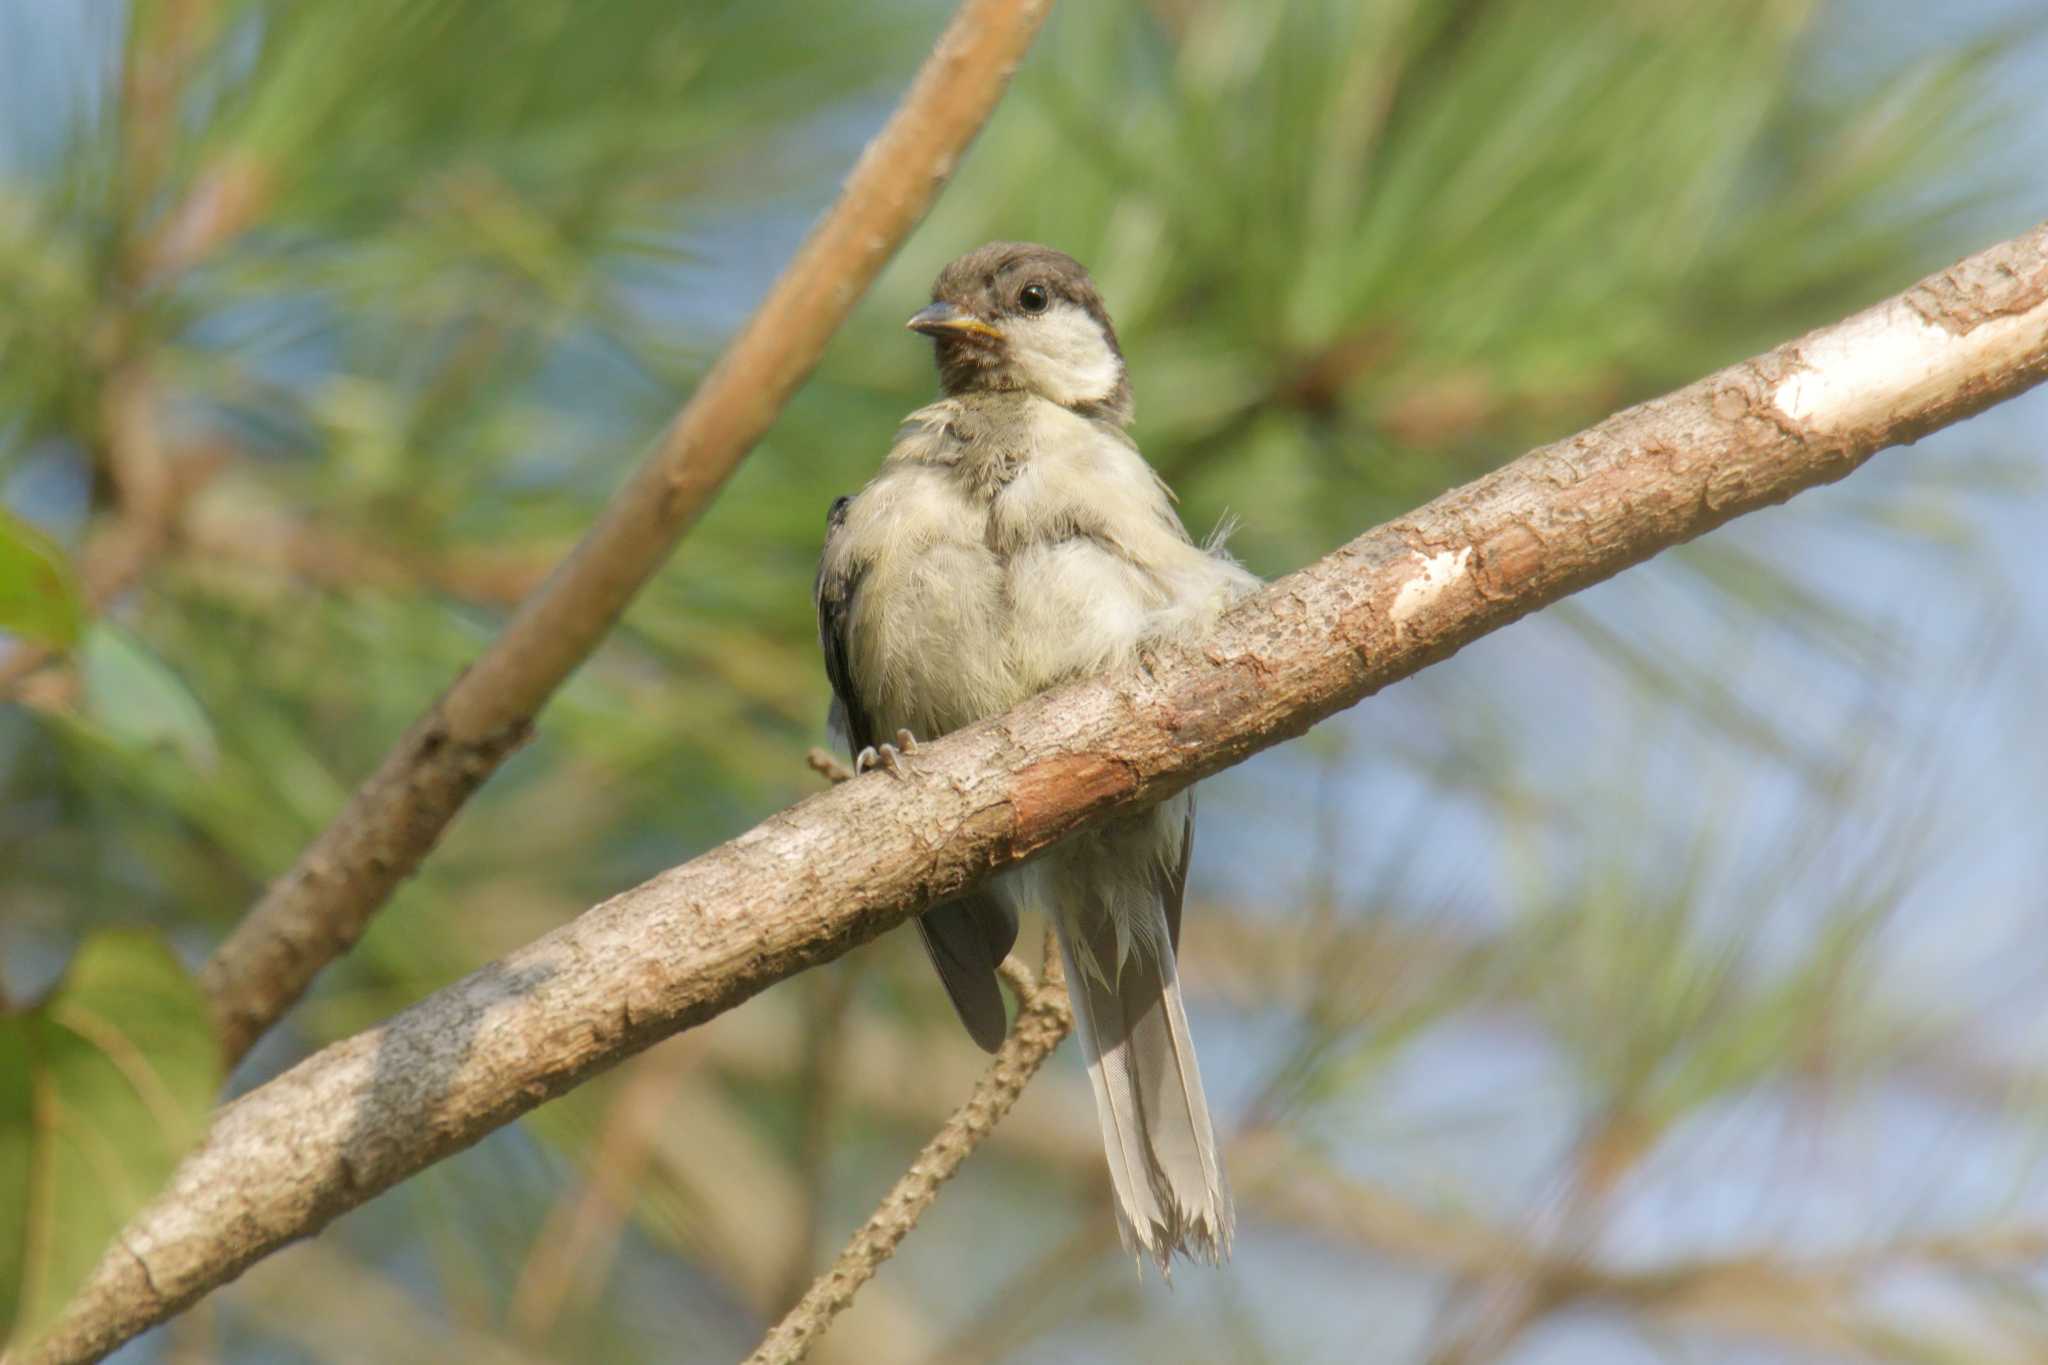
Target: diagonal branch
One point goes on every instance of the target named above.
(318, 909)
(1043, 1020)
(810, 883)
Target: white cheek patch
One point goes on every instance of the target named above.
(1061, 354)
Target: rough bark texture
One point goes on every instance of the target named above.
(317, 910)
(841, 867)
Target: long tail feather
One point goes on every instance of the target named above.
(1171, 1196)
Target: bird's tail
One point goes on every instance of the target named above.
(1170, 1192)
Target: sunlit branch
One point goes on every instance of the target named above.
(1043, 1019)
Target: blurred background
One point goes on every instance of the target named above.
(1662, 979)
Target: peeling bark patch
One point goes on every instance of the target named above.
(1439, 571)
(1065, 785)
(1891, 363)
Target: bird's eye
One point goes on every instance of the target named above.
(1033, 298)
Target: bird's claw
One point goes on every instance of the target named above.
(888, 756)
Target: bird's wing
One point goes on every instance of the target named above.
(968, 936)
(839, 578)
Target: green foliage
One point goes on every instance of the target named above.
(1376, 247)
(39, 598)
(412, 282)
(135, 702)
(103, 1086)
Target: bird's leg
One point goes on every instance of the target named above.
(888, 756)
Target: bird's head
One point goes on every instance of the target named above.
(1016, 316)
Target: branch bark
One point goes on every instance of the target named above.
(832, 872)
(319, 908)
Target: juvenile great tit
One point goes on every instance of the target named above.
(1015, 539)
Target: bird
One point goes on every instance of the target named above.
(1015, 539)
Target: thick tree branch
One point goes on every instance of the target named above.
(832, 872)
(318, 909)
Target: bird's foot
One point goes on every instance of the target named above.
(888, 756)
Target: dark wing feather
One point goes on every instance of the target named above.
(833, 594)
(968, 936)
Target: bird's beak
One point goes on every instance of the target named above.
(949, 319)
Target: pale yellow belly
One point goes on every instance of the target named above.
(959, 633)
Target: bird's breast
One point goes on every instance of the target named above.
(1038, 549)
(1076, 592)
(1074, 607)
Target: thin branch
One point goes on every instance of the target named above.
(814, 881)
(1803, 1303)
(317, 910)
(1043, 1019)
